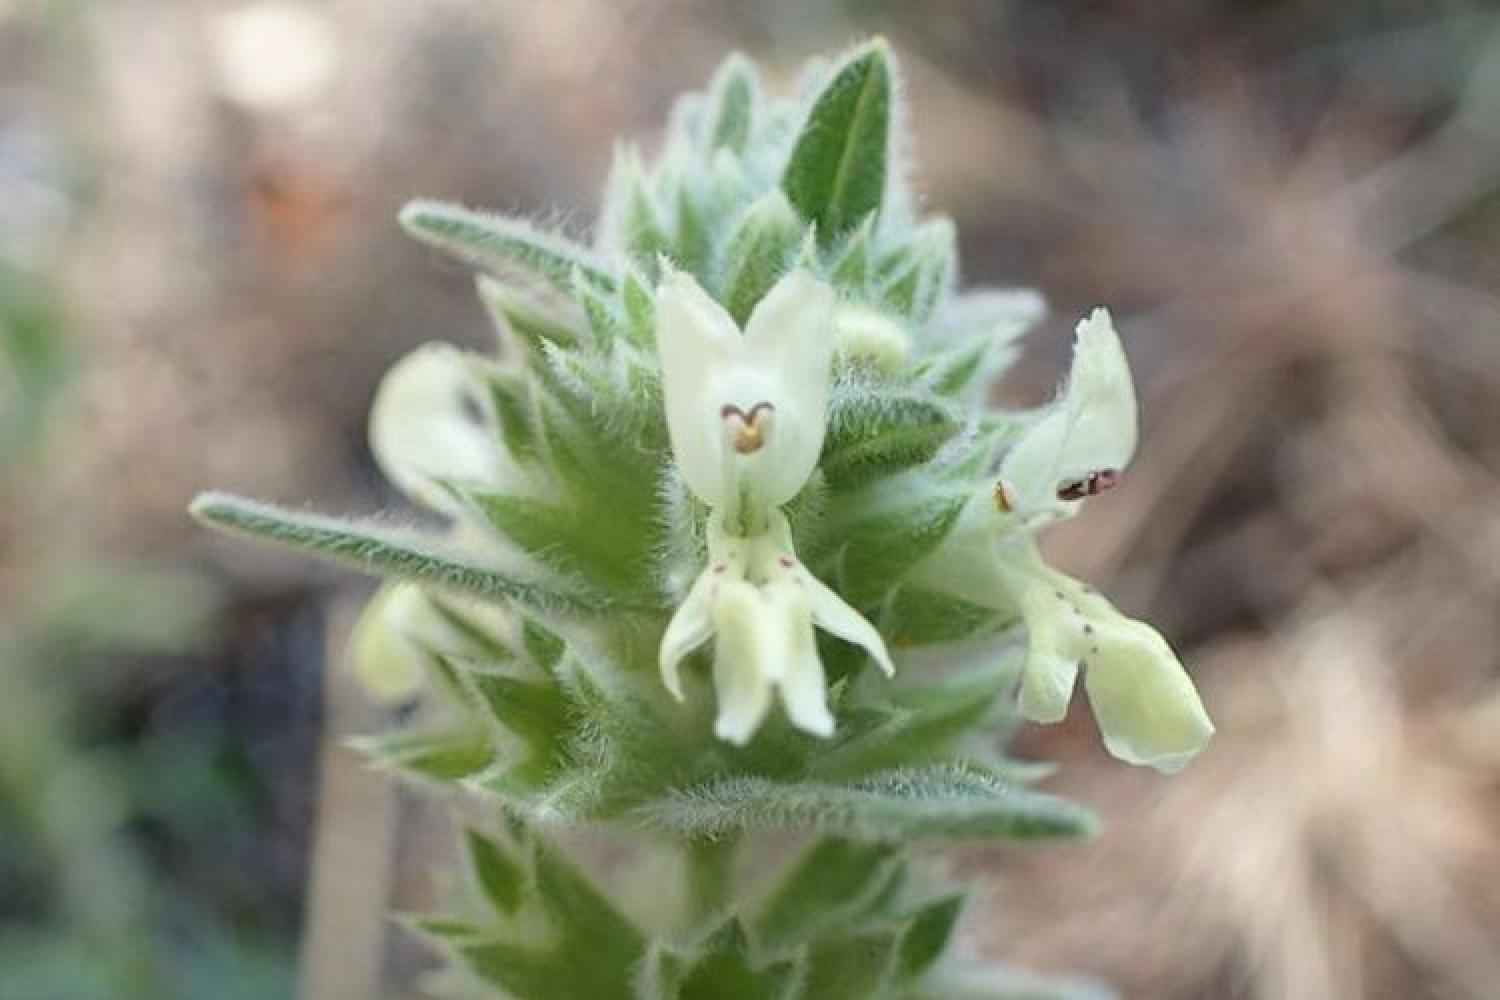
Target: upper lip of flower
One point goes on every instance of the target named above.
(1079, 443)
(422, 430)
(745, 411)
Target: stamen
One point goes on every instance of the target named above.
(749, 429)
(1002, 498)
(1091, 485)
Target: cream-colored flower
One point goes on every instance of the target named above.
(385, 647)
(428, 424)
(745, 413)
(1143, 700)
(1082, 440)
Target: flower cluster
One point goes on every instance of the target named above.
(746, 417)
(739, 444)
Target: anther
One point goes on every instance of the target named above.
(749, 428)
(1090, 485)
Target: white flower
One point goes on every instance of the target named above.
(1083, 439)
(745, 413)
(428, 424)
(402, 628)
(1143, 701)
(385, 647)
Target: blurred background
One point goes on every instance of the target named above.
(1292, 207)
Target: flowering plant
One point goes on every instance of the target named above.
(731, 549)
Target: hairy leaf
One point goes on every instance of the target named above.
(501, 245)
(873, 433)
(377, 548)
(837, 172)
(946, 801)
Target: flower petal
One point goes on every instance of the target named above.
(1047, 685)
(790, 339)
(804, 690)
(423, 429)
(1144, 702)
(386, 661)
(1090, 428)
(833, 615)
(690, 627)
(697, 342)
(744, 692)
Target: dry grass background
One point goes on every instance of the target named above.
(1293, 208)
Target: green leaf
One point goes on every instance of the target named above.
(692, 240)
(976, 337)
(640, 309)
(913, 616)
(583, 913)
(960, 370)
(536, 713)
(596, 553)
(605, 322)
(880, 543)
(851, 265)
(922, 725)
(660, 974)
(826, 890)
(510, 400)
(379, 549)
(444, 929)
(854, 967)
(927, 937)
(837, 172)
(544, 646)
(874, 433)
(915, 278)
(500, 877)
(726, 970)
(758, 252)
(535, 973)
(484, 645)
(501, 245)
(733, 100)
(937, 801)
(439, 756)
(523, 319)
(632, 221)
(589, 950)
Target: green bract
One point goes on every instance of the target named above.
(806, 487)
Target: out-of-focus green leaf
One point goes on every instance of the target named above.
(941, 801)
(502, 245)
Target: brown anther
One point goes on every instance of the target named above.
(1002, 498)
(749, 429)
(1091, 485)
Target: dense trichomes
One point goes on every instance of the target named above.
(733, 546)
